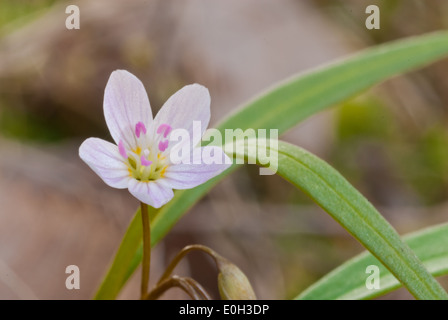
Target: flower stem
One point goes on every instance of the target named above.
(182, 254)
(198, 288)
(146, 250)
(188, 286)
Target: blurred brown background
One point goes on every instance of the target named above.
(391, 142)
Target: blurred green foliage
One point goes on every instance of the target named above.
(414, 160)
(359, 121)
(21, 11)
(364, 118)
(18, 124)
(374, 146)
(424, 164)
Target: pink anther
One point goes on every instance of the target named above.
(144, 161)
(163, 145)
(122, 150)
(165, 128)
(139, 127)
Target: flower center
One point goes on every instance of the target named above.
(146, 164)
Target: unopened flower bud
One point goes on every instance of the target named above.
(233, 283)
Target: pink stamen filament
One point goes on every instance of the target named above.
(122, 149)
(165, 128)
(139, 127)
(144, 161)
(163, 145)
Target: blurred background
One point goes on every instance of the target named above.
(391, 142)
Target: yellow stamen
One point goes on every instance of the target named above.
(162, 172)
(138, 150)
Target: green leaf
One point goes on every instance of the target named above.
(348, 280)
(285, 105)
(126, 252)
(331, 191)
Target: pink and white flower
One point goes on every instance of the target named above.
(140, 159)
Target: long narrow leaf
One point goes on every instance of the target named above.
(331, 191)
(348, 281)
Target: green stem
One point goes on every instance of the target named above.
(174, 281)
(182, 254)
(146, 250)
(199, 288)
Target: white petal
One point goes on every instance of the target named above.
(154, 193)
(201, 168)
(191, 103)
(103, 158)
(125, 104)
